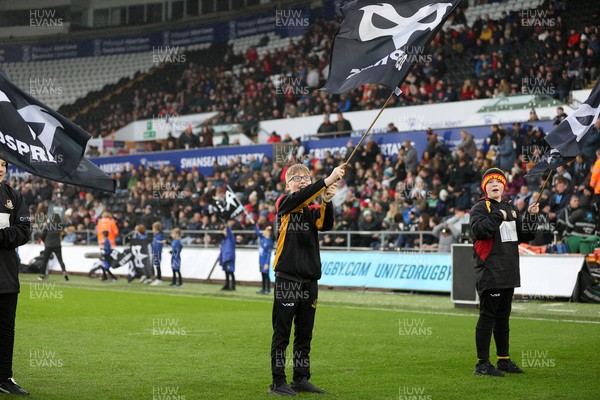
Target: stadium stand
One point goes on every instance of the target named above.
(492, 55)
(76, 78)
(482, 57)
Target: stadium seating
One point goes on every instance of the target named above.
(76, 77)
(494, 10)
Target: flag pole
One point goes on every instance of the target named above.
(543, 187)
(546, 181)
(369, 130)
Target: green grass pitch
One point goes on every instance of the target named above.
(85, 339)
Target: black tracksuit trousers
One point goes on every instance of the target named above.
(8, 310)
(494, 311)
(293, 302)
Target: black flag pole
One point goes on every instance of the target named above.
(546, 181)
(543, 186)
(370, 127)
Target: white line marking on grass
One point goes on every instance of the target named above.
(552, 310)
(465, 315)
(168, 334)
(165, 293)
(209, 296)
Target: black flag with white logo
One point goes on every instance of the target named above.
(233, 206)
(549, 162)
(566, 139)
(380, 41)
(37, 139)
(567, 136)
(228, 208)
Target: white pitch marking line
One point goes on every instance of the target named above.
(199, 295)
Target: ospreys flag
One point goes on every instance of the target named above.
(566, 139)
(230, 209)
(37, 139)
(380, 41)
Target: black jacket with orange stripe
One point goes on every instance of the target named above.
(497, 261)
(297, 256)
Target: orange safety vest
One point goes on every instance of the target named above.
(107, 224)
(595, 179)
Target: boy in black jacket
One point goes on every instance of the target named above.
(297, 267)
(15, 230)
(497, 228)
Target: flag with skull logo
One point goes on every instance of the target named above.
(379, 42)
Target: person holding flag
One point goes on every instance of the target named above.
(497, 227)
(141, 249)
(15, 231)
(227, 255)
(297, 267)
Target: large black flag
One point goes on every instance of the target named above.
(37, 139)
(566, 139)
(567, 136)
(380, 41)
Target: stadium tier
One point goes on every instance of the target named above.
(62, 82)
(416, 170)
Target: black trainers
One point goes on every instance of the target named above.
(486, 368)
(9, 386)
(509, 366)
(281, 390)
(305, 386)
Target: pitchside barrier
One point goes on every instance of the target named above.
(542, 276)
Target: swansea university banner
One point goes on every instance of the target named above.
(379, 42)
(37, 139)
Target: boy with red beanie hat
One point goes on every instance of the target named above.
(497, 228)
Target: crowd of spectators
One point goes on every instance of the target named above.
(406, 192)
(488, 59)
(403, 193)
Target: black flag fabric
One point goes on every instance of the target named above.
(549, 162)
(37, 139)
(566, 139)
(380, 41)
(231, 208)
(567, 136)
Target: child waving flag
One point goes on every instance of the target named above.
(297, 269)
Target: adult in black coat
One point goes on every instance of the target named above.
(51, 239)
